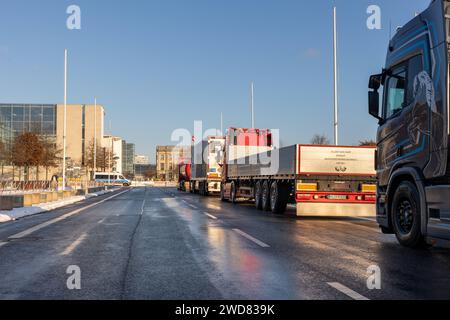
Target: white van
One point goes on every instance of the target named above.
(111, 178)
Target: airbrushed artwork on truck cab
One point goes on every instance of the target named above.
(423, 126)
(419, 130)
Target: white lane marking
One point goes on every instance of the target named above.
(347, 291)
(142, 208)
(74, 245)
(63, 217)
(210, 215)
(101, 221)
(192, 206)
(2, 244)
(249, 237)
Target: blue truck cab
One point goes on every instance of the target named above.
(412, 162)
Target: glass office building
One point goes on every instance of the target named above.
(16, 119)
(128, 154)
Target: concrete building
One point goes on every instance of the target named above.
(84, 124)
(167, 159)
(139, 159)
(115, 144)
(128, 154)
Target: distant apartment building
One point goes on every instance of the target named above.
(84, 124)
(167, 159)
(115, 145)
(140, 159)
(128, 154)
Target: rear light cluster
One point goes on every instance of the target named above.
(335, 197)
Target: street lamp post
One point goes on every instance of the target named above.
(65, 122)
(252, 103)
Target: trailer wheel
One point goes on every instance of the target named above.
(258, 195)
(265, 198)
(278, 200)
(201, 189)
(406, 218)
(233, 193)
(222, 192)
(205, 189)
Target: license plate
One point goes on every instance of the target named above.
(336, 197)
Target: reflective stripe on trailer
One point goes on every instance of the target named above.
(335, 197)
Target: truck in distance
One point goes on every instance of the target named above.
(184, 174)
(412, 162)
(206, 175)
(319, 180)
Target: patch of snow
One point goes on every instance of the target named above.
(18, 213)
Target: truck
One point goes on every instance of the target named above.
(205, 167)
(412, 163)
(184, 174)
(319, 180)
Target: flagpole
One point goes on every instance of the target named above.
(336, 120)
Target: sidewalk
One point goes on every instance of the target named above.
(18, 213)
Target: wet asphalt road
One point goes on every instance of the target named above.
(151, 243)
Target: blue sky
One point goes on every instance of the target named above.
(159, 65)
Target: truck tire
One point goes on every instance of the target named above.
(265, 198)
(406, 216)
(233, 193)
(205, 189)
(258, 195)
(222, 192)
(278, 197)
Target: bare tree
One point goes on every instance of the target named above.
(27, 151)
(320, 139)
(104, 158)
(367, 143)
(52, 156)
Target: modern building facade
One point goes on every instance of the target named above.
(84, 125)
(17, 119)
(128, 154)
(167, 160)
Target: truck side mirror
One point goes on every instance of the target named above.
(375, 82)
(374, 104)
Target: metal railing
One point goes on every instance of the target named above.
(20, 187)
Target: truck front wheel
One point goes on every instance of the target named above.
(265, 199)
(406, 218)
